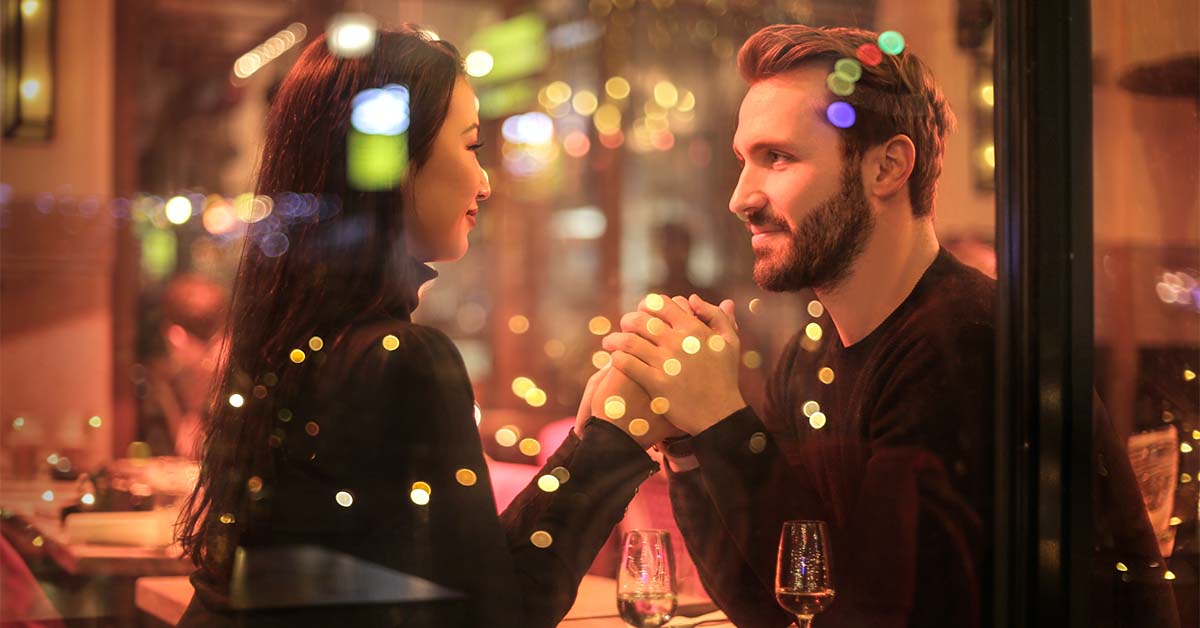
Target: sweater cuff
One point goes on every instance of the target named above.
(738, 435)
(604, 434)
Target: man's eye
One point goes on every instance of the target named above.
(776, 156)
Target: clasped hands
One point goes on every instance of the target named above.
(674, 370)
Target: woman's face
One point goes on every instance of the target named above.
(445, 192)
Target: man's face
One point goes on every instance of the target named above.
(803, 202)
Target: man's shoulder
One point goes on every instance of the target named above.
(954, 299)
(950, 319)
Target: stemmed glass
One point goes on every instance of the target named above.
(803, 578)
(646, 579)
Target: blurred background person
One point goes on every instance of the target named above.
(179, 372)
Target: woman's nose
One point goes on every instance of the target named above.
(485, 188)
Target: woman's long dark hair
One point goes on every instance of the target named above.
(326, 256)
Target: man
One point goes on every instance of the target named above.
(879, 422)
(882, 428)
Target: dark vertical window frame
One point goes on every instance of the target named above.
(1044, 303)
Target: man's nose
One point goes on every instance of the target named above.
(747, 196)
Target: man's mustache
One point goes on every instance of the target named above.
(766, 219)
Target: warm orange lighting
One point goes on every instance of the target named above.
(617, 88)
(599, 325)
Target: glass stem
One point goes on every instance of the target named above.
(804, 621)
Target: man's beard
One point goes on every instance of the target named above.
(824, 246)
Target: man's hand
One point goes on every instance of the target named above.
(686, 352)
(619, 400)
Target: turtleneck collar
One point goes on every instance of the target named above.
(417, 274)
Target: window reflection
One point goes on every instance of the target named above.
(1146, 261)
(607, 127)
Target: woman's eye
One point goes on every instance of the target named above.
(475, 147)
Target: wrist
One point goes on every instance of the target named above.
(678, 453)
(720, 413)
(676, 446)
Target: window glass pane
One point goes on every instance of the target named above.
(1147, 304)
(211, 270)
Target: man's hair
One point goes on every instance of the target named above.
(897, 96)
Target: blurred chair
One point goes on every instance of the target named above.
(22, 602)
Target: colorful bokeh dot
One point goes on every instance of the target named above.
(870, 55)
(848, 68)
(891, 42)
(465, 477)
(839, 84)
(840, 114)
(541, 539)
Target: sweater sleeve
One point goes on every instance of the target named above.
(730, 509)
(555, 536)
(544, 541)
(727, 510)
(886, 497)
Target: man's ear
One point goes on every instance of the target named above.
(892, 165)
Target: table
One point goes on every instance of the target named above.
(25, 499)
(102, 577)
(595, 607)
(164, 597)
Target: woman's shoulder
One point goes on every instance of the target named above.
(397, 347)
(395, 337)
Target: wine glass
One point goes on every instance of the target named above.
(803, 579)
(646, 579)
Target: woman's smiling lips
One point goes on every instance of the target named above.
(472, 215)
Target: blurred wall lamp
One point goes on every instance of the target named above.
(28, 66)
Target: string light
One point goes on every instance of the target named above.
(351, 35)
(479, 63)
(617, 88)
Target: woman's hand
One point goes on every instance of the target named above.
(685, 351)
(617, 399)
(585, 405)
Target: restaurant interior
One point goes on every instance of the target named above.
(132, 134)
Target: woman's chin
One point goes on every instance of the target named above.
(457, 254)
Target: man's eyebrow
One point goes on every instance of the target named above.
(762, 145)
(470, 128)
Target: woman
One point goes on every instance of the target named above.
(350, 427)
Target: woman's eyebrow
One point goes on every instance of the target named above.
(471, 128)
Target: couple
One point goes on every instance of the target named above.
(356, 432)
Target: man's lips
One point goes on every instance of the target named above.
(762, 231)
